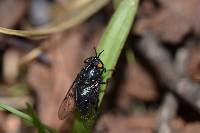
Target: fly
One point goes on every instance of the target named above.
(83, 94)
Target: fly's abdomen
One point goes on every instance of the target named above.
(87, 99)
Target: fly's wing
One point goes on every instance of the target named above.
(68, 105)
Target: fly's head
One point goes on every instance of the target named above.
(95, 61)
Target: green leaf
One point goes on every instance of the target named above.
(37, 123)
(115, 36)
(130, 56)
(25, 116)
(116, 3)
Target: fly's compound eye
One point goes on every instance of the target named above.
(99, 65)
(87, 60)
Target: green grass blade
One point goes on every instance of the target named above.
(37, 123)
(116, 3)
(115, 35)
(25, 117)
(112, 43)
(17, 113)
(130, 56)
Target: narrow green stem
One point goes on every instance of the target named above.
(112, 43)
(115, 35)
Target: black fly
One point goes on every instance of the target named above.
(84, 92)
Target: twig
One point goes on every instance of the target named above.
(161, 62)
(71, 20)
(25, 45)
(168, 109)
(166, 114)
(181, 57)
(36, 52)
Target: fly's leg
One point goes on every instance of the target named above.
(104, 70)
(105, 82)
(96, 106)
(108, 70)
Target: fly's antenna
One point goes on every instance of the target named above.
(95, 50)
(100, 53)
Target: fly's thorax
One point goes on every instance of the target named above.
(91, 75)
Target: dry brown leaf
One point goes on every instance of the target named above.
(193, 64)
(172, 21)
(191, 128)
(11, 11)
(112, 123)
(138, 84)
